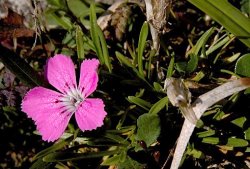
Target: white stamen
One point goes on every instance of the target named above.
(72, 99)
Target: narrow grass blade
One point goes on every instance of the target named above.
(68, 156)
(20, 68)
(140, 102)
(105, 53)
(141, 45)
(228, 16)
(79, 43)
(158, 105)
(94, 33)
(170, 67)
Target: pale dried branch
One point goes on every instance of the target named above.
(201, 104)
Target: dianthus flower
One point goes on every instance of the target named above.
(51, 110)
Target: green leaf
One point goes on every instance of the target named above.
(199, 76)
(237, 142)
(38, 164)
(158, 105)
(105, 52)
(206, 133)
(141, 45)
(202, 41)
(170, 67)
(247, 91)
(211, 140)
(219, 115)
(140, 102)
(194, 152)
(60, 4)
(99, 40)
(115, 160)
(157, 87)
(181, 66)
(228, 16)
(116, 138)
(94, 33)
(192, 63)
(62, 21)
(124, 60)
(111, 160)
(247, 150)
(242, 66)
(148, 128)
(78, 8)
(53, 148)
(245, 6)
(239, 121)
(151, 55)
(20, 68)
(232, 58)
(247, 134)
(221, 42)
(79, 43)
(129, 163)
(68, 156)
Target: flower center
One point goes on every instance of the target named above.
(72, 99)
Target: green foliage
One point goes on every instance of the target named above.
(170, 67)
(61, 20)
(194, 152)
(245, 6)
(41, 164)
(94, 33)
(247, 134)
(148, 128)
(131, 78)
(141, 45)
(242, 66)
(115, 160)
(236, 142)
(69, 156)
(98, 39)
(192, 63)
(228, 16)
(239, 121)
(200, 45)
(140, 102)
(158, 106)
(58, 4)
(53, 148)
(79, 43)
(78, 8)
(206, 133)
(211, 140)
(129, 163)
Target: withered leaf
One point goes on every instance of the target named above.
(12, 27)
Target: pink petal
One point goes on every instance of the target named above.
(88, 77)
(60, 72)
(49, 114)
(90, 114)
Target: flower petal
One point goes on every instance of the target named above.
(50, 116)
(88, 77)
(90, 114)
(60, 72)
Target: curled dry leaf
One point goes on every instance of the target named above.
(180, 96)
(199, 107)
(157, 12)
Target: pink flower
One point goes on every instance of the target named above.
(52, 110)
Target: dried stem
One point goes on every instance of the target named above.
(200, 106)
